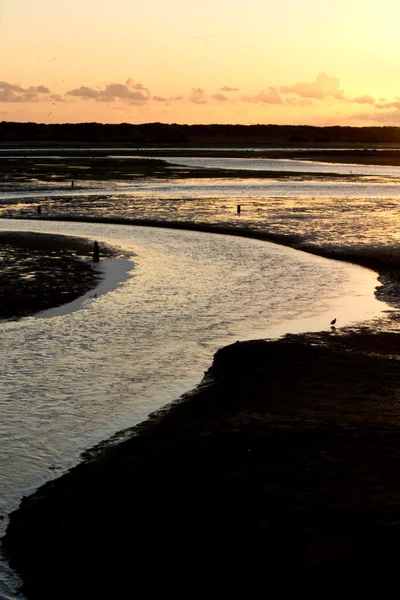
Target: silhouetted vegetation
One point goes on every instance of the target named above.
(162, 133)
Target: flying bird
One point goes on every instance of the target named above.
(334, 321)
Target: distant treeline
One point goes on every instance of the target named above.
(160, 133)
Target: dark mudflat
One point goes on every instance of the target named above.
(281, 476)
(39, 271)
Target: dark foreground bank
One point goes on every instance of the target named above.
(41, 271)
(279, 475)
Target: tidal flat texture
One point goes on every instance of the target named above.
(39, 271)
(279, 474)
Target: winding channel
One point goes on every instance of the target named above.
(74, 376)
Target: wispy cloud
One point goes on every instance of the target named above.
(13, 92)
(322, 93)
(387, 105)
(387, 117)
(197, 96)
(84, 92)
(323, 87)
(365, 99)
(271, 96)
(136, 86)
(57, 98)
(220, 97)
(302, 102)
(130, 92)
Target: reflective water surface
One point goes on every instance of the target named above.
(358, 211)
(71, 380)
(279, 164)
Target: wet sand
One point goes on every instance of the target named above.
(41, 271)
(23, 167)
(279, 474)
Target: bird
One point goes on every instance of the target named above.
(334, 321)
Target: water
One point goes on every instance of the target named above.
(284, 165)
(361, 211)
(9, 149)
(70, 380)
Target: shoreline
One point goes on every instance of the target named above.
(45, 272)
(374, 260)
(149, 163)
(194, 456)
(296, 474)
(42, 271)
(385, 264)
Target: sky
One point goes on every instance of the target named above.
(313, 62)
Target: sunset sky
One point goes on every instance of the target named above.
(215, 61)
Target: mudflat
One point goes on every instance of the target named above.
(41, 271)
(22, 166)
(278, 474)
(282, 470)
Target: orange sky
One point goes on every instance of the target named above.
(218, 61)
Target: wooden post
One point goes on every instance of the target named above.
(238, 209)
(39, 210)
(96, 252)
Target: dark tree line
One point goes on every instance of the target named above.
(161, 133)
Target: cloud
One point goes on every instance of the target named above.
(197, 96)
(136, 86)
(160, 99)
(387, 113)
(42, 89)
(319, 89)
(388, 105)
(270, 96)
(365, 99)
(14, 92)
(57, 98)
(220, 97)
(387, 117)
(226, 88)
(84, 92)
(130, 92)
(12, 87)
(303, 102)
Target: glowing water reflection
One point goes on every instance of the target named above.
(71, 380)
